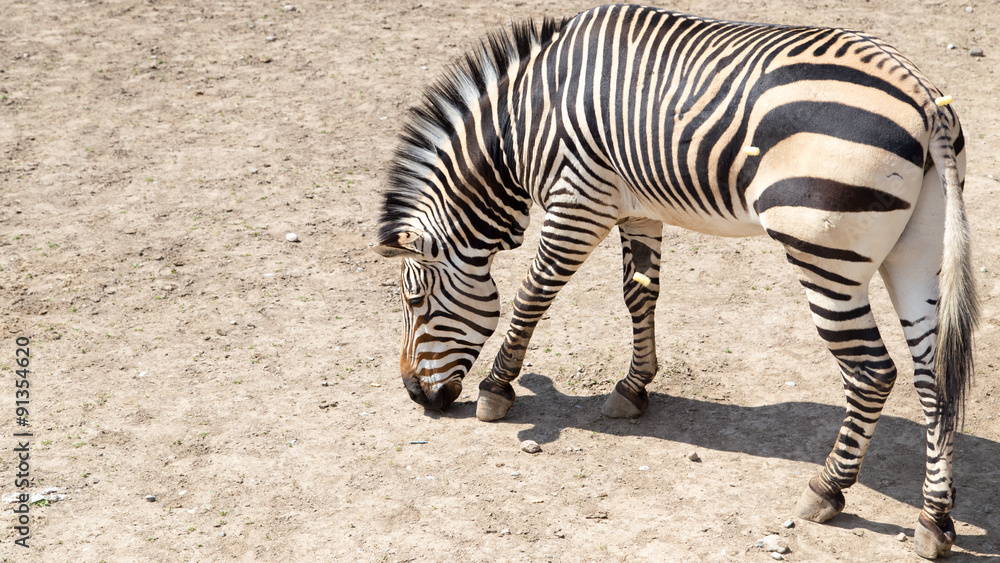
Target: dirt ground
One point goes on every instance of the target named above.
(153, 156)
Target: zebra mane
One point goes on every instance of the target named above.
(431, 124)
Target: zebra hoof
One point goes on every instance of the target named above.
(817, 505)
(494, 401)
(617, 406)
(931, 540)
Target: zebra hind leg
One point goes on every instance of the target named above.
(848, 327)
(640, 255)
(911, 278)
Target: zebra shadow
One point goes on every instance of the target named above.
(796, 431)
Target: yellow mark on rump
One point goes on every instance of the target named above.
(641, 279)
(943, 100)
(751, 151)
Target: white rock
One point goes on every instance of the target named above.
(788, 524)
(292, 237)
(773, 543)
(644, 468)
(290, 8)
(693, 456)
(530, 446)
(777, 557)
(271, 38)
(150, 498)
(901, 536)
(515, 474)
(951, 46)
(505, 532)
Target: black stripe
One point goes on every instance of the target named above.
(817, 250)
(840, 315)
(834, 120)
(821, 272)
(825, 292)
(869, 334)
(826, 195)
(855, 351)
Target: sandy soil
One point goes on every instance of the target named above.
(153, 156)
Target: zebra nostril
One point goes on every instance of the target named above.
(415, 391)
(444, 396)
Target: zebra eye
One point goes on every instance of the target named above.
(415, 301)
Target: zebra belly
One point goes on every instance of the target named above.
(707, 224)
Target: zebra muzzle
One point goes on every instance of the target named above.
(438, 398)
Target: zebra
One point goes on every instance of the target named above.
(828, 141)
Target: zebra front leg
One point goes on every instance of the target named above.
(848, 327)
(640, 255)
(569, 235)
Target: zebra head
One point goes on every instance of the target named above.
(450, 308)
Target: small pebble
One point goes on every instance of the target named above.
(530, 446)
(253, 170)
(790, 383)
(505, 532)
(777, 557)
(271, 38)
(292, 237)
(150, 498)
(788, 524)
(977, 52)
(559, 534)
(222, 535)
(325, 383)
(969, 9)
(983, 269)
(644, 468)
(290, 8)
(951, 46)
(515, 474)
(901, 536)
(693, 456)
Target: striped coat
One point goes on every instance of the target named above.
(828, 141)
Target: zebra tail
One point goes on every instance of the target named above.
(958, 305)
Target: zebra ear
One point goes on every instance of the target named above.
(408, 244)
